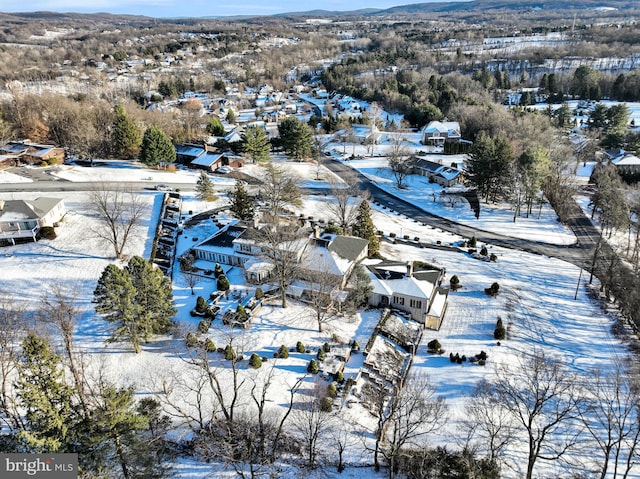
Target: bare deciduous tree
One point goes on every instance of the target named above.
(489, 427)
(119, 212)
(283, 245)
(541, 396)
(412, 414)
(62, 312)
(11, 317)
(312, 422)
(610, 415)
(279, 190)
(347, 196)
(399, 160)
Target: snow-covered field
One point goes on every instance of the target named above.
(536, 303)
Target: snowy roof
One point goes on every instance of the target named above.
(439, 303)
(223, 238)
(209, 159)
(451, 128)
(193, 151)
(392, 278)
(628, 160)
(387, 359)
(27, 209)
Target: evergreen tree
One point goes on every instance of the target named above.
(231, 117)
(204, 188)
(490, 167)
(214, 127)
(296, 137)
(223, 283)
(126, 135)
(255, 143)
(363, 228)
(242, 205)
(127, 439)
(156, 147)
(45, 397)
(137, 298)
(154, 297)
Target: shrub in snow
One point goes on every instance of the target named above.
(434, 346)
(321, 355)
(492, 290)
(203, 326)
(259, 294)
(242, 313)
(255, 361)
(355, 345)
(483, 251)
(300, 347)
(339, 377)
(326, 347)
(493, 257)
(192, 340)
(473, 242)
(312, 368)
(500, 332)
(283, 352)
(229, 353)
(201, 304)
(454, 282)
(218, 271)
(223, 283)
(332, 391)
(326, 404)
(209, 345)
(47, 232)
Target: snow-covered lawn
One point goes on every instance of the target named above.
(536, 303)
(541, 225)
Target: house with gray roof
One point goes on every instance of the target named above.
(21, 219)
(396, 285)
(436, 172)
(235, 245)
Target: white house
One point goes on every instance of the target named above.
(418, 293)
(235, 245)
(438, 133)
(25, 218)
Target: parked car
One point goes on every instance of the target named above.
(224, 169)
(162, 187)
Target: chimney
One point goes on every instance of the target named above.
(1, 205)
(409, 269)
(316, 231)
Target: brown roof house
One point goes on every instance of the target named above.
(33, 153)
(24, 218)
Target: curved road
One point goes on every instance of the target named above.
(580, 254)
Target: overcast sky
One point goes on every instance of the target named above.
(195, 8)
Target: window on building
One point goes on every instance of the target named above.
(414, 303)
(398, 300)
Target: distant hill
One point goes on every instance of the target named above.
(479, 6)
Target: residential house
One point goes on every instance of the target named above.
(24, 218)
(436, 172)
(235, 245)
(437, 133)
(626, 163)
(188, 152)
(396, 285)
(209, 161)
(33, 153)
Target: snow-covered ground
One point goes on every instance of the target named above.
(536, 303)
